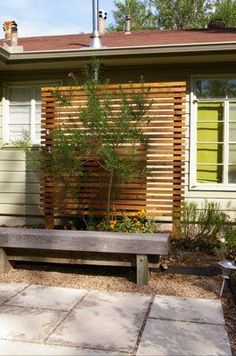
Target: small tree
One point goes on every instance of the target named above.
(106, 135)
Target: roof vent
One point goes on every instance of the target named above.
(216, 24)
(102, 16)
(127, 25)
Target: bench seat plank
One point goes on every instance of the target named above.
(87, 241)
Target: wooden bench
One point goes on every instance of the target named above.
(140, 245)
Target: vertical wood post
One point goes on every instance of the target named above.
(178, 161)
(48, 178)
(5, 265)
(142, 269)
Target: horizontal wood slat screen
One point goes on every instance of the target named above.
(161, 192)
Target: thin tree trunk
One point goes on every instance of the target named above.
(109, 196)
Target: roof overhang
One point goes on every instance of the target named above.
(113, 56)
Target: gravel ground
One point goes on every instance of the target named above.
(123, 280)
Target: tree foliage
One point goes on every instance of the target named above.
(139, 11)
(173, 14)
(182, 14)
(226, 10)
(107, 136)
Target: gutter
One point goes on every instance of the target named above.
(4, 55)
(119, 51)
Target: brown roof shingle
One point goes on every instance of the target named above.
(119, 39)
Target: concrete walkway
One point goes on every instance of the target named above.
(39, 320)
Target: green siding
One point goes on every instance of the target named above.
(19, 188)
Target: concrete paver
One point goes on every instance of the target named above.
(111, 321)
(44, 297)
(40, 320)
(187, 309)
(26, 324)
(7, 290)
(165, 337)
(15, 348)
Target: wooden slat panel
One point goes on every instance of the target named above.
(160, 194)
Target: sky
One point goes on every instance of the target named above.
(51, 17)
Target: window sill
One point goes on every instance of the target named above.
(12, 146)
(213, 187)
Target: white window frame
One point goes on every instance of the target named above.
(6, 107)
(193, 183)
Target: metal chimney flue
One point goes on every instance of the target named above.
(96, 41)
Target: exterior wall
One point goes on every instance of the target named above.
(225, 199)
(19, 187)
(1, 114)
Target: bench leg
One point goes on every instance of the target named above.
(5, 265)
(142, 269)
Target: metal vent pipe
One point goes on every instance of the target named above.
(96, 41)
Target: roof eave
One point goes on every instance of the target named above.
(120, 51)
(4, 55)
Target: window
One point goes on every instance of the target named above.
(213, 133)
(22, 112)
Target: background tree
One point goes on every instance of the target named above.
(226, 10)
(173, 14)
(139, 11)
(182, 14)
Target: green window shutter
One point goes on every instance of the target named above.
(210, 132)
(232, 144)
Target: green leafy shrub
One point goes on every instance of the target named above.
(136, 223)
(231, 237)
(230, 241)
(204, 228)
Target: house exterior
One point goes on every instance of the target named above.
(205, 59)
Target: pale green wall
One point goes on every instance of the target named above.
(19, 188)
(19, 185)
